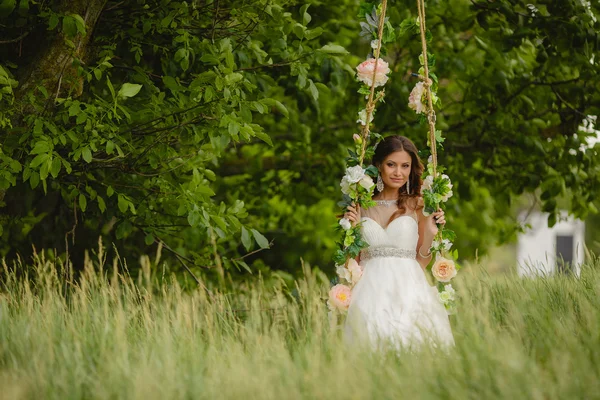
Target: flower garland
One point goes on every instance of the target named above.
(437, 187)
(357, 184)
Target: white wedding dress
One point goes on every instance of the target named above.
(393, 303)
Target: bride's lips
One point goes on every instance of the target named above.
(396, 180)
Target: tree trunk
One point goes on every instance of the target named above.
(53, 66)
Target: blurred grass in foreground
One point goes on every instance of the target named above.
(112, 336)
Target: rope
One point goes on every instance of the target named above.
(370, 103)
(427, 84)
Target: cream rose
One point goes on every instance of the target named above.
(355, 271)
(364, 72)
(427, 183)
(343, 273)
(443, 270)
(415, 100)
(366, 182)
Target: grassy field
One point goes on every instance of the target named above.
(111, 336)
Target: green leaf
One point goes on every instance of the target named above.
(306, 18)
(123, 203)
(278, 105)
(313, 90)
(86, 153)
(101, 204)
(246, 239)
(110, 191)
(69, 26)
(38, 160)
(194, 217)
(53, 21)
(41, 147)
(129, 90)
(110, 87)
(56, 166)
(149, 239)
(203, 189)
(263, 136)
(34, 179)
(82, 202)
(243, 264)
(333, 49)
(260, 239)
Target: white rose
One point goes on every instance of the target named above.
(345, 185)
(446, 177)
(354, 174)
(447, 196)
(450, 289)
(362, 117)
(366, 182)
(374, 44)
(444, 297)
(345, 223)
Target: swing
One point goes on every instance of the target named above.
(357, 185)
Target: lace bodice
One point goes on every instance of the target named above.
(402, 232)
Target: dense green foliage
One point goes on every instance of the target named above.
(111, 338)
(200, 124)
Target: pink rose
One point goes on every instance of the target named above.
(366, 68)
(443, 270)
(339, 297)
(415, 100)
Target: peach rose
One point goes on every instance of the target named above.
(339, 297)
(443, 270)
(366, 68)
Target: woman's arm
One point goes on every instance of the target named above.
(427, 231)
(425, 240)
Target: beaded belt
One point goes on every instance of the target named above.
(374, 252)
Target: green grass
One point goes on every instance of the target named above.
(110, 336)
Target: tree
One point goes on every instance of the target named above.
(115, 123)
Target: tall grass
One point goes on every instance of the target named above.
(110, 336)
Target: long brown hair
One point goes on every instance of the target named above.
(390, 145)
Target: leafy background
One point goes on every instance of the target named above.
(217, 128)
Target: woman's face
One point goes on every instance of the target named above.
(395, 169)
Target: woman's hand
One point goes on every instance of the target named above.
(432, 222)
(353, 214)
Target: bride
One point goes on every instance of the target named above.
(393, 303)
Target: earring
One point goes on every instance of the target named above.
(379, 183)
(408, 186)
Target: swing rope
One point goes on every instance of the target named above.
(427, 84)
(370, 102)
